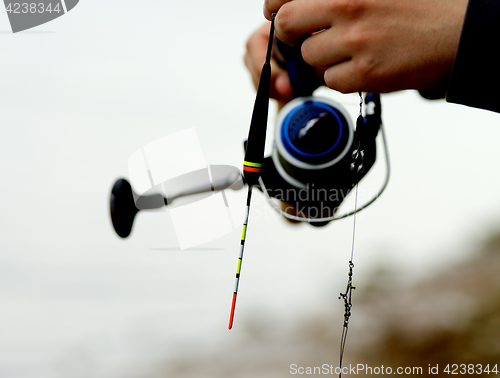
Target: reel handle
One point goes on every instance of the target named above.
(122, 207)
(124, 203)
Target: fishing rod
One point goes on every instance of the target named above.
(254, 152)
(318, 158)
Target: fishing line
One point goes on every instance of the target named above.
(357, 167)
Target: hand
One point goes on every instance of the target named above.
(255, 57)
(281, 89)
(374, 45)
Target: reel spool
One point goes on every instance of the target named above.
(310, 166)
(312, 135)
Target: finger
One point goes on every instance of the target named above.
(326, 48)
(254, 58)
(345, 77)
(252, 70)
(256, 49)
(302, 17)
(283, 90)
(272, 6)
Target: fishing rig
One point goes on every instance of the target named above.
(316, 151)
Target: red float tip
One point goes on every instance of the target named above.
(231, 317)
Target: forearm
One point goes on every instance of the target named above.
(475, 78)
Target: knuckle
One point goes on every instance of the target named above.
(349, 7)
(267, 5)
(272, 6)
(307, 52)
(282, 20)
(364, 68)
(284, 25)
(248, 44)
(355, 38)
(350, 41)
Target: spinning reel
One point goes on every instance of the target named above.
(318, 157)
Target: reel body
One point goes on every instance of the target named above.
(310, 166)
